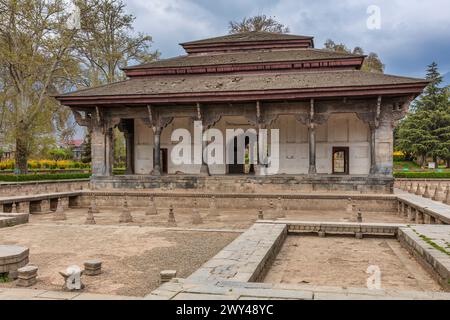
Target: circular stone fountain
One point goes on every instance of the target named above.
(13, 258)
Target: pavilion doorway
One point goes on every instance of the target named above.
(241, 169)
(341, 163)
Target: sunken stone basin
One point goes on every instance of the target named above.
(13, 258)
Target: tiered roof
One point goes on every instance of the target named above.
(247, 66)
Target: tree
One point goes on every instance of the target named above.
(257, 23)
(372, 63)
(426, 131)
(36, 60)
(61, 154)
(106, 44)
(42, 55)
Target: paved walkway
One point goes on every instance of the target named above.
(30, 294)
(229, 290)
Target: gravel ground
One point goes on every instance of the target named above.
(132, 256)
(343, 262)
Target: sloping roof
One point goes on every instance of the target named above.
(253, 36)
(246, 58)
(166, 85)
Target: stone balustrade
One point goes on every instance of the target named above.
(437, 190)
(424, 201)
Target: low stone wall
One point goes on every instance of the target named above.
(13, 219)
(247, 258)
(313, 201)
(251, 184)
(432, 182)
(343, 228)
(438, 190)
(42, 187)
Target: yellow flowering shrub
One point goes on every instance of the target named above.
(46, 165)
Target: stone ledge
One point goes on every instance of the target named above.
(246, 258)
(340, 227)
(436, 262)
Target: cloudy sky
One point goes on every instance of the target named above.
(413, 32)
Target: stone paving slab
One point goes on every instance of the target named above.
(252, 291)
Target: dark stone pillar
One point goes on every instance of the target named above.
(109, 152)
(312, 149)
(373, 156)
(157, 163)
(204, 170)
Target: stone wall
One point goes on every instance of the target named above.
(18, 189)
(251, 184)
(242, 201)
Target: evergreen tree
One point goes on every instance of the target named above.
(426, 131)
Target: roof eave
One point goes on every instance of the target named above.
(240, 96)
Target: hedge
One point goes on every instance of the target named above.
(422, 175)
(44, 177)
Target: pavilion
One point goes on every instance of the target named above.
(336, 122)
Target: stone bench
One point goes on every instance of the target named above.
(12, 258)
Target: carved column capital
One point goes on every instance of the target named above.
(400, 109)
(82, 119)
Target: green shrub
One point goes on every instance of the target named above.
(44, 177)
(422, 175)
